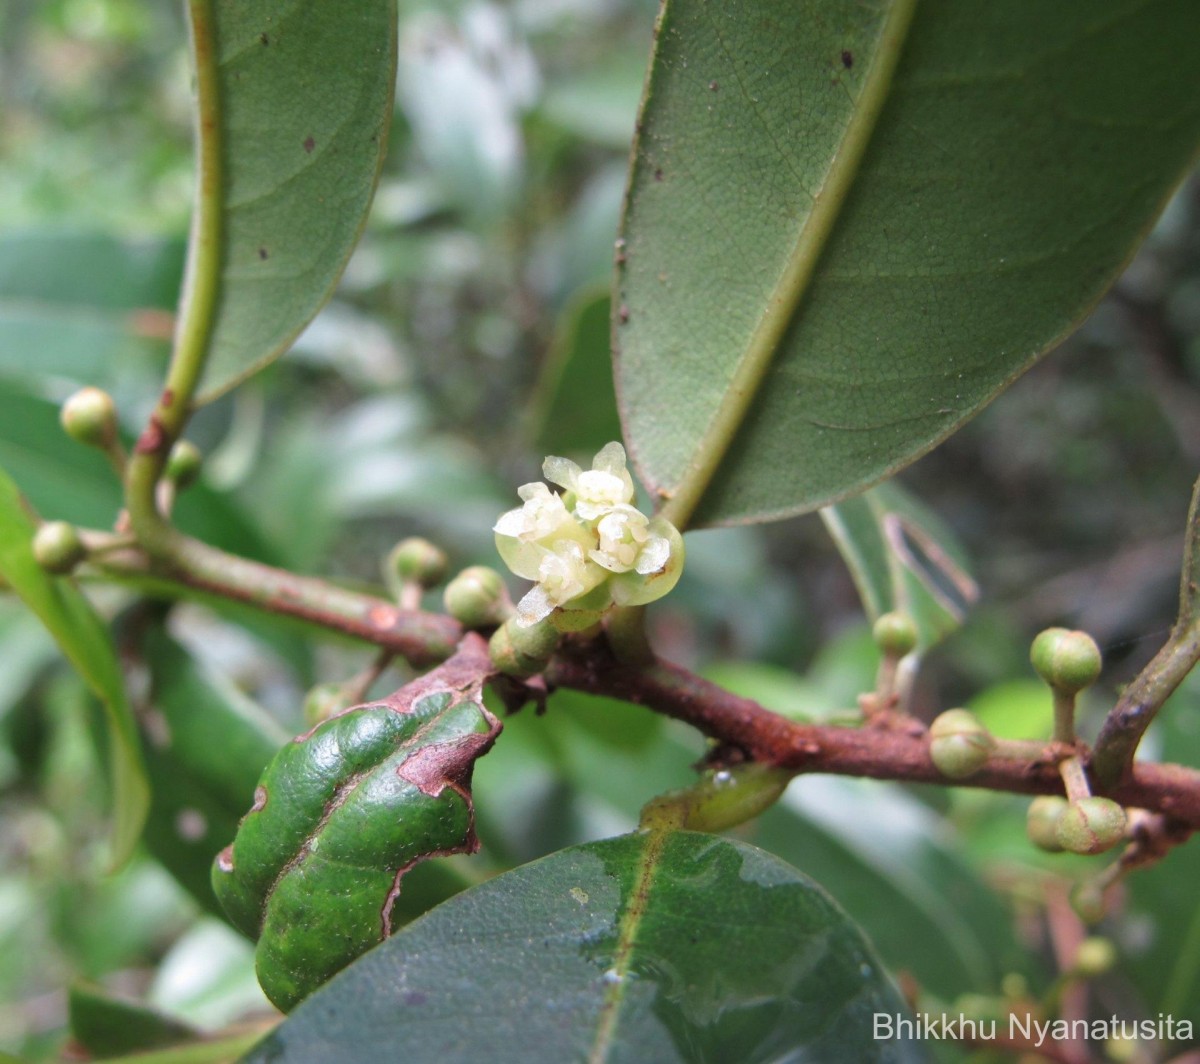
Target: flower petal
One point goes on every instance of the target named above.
(654, 556)
(522, 557)
(511, 523)
(561, 471)
(534, 606)
(611, 459)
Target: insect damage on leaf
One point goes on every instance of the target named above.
(344, 812)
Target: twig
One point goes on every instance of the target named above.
(1132, 715)
(892, 753)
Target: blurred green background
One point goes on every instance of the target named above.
(469, 338)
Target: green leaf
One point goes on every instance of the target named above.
(575, 407)
(206, 745)
(903, 558)
(662, 947)
(105, 1025)
(85, 641)
(849, 226)
(294, 108)
(80, 305)
(221, 1050)
(892, 864)
(343, 813)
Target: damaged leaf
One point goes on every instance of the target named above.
(344, 812)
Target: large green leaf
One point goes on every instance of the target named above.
(107, 1026)
(74, 304)
(206, 744)
(295, 100)
(849, 226)
(892, 863)
(902, 557)
(84, 640)
(647, 948)
(574, 409)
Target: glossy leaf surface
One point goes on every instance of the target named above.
(849, 226)
(84, 639)
(343, 813)
(293, 129)
(654, 947)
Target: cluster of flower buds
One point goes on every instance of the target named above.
(589, 547)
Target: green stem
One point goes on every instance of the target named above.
(743, 386)
(1141, 700)
(197, 312)
(627, 636)
(1064, 716)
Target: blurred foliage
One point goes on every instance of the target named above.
(430, 386)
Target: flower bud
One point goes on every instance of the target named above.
(1087, 899)
(57, 547)
(1041, 822)
(90, 417)
(416, 561)
(1095, 956)
(895, 634)
(958, 744)
(523, 650)
(477, 598)
(1091, 825)
(1068, 661)
(183, 464)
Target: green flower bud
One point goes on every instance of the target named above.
(958, 744)
(1041, 822)
(90, 417)
(183, 464)
(416, 561)
(523, 651)
(1068, 661)
(477, 598)
(57, 547)
(1087, 899)
(1091, 825)
(1095, 956)
(895, 634)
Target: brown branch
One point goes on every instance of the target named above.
(898, 752)
(895, 748)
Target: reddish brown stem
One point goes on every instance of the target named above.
(892, 748)
(893, 753)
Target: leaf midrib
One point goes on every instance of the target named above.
(630, 922)
(752, 365)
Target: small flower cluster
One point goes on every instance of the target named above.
(589, 547)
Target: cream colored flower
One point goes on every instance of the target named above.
(626, 543)
(542, 515)
(564, 573)
(589, 547)
(597, 490)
